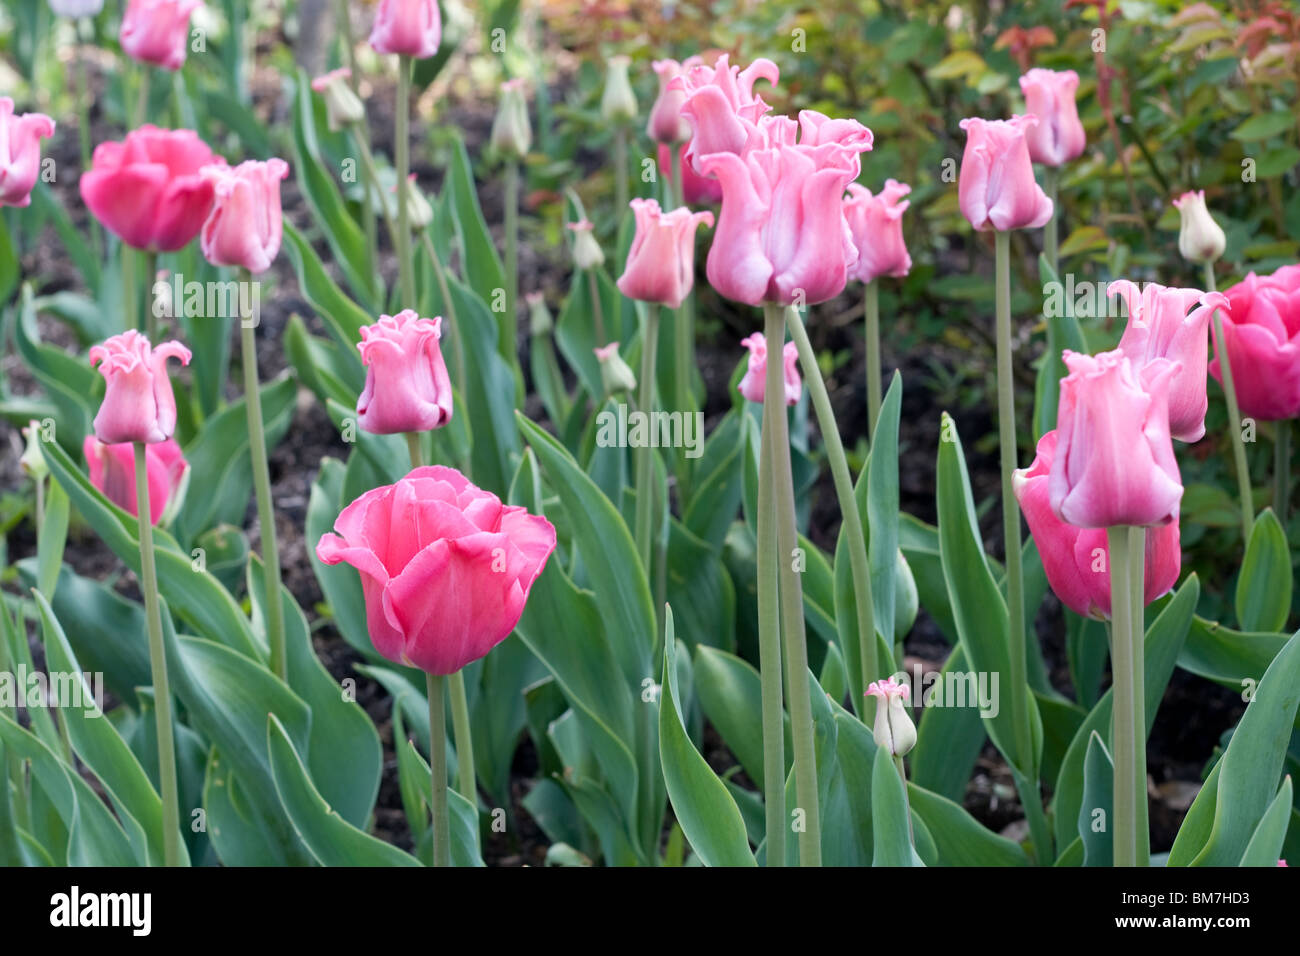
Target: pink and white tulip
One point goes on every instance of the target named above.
(1059, 136)
(996, 188)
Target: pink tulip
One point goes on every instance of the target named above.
(720, 105)
(1261, 333)
(245, 225)
(112, 471)
(876, 223)
(1059, 136)
(893, 729)
(661, 261)
(138, 402)
(1159, 326)
(782, 236)
(996, 187)
(1114, 462)
(1077, 560)
(148, 190)
(445, 567)
(20, 152)
(409, 27)
(157, 31)
(753, 383)
(666, 125)
(697, 190)
(407, 387)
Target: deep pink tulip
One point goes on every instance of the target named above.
(1059, 136)
(148, 190)
(1077, 560)
(1159, 326)
(697, 190)
(661, 261)
(138, 402)
(245, 226)
(753, 383)
(20, 152)
(996, 188)
(409, 27)
(157, 31)
(1262, 336)
(445, 567)
(666, 124)
(720, 105)
(407, 387)
(876, 223)
(1114, 462)
(112, 471)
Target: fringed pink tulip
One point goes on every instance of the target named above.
(245, 226)
(752, 384)
(20, 152)
(876, 223)
(157, 31)
(667, 126)
(445, 567)
(697, 190)
(661, 261)
(996, 188)
(721, 107)
(893, 730)
(1059, 136)
(408, 27)
(407, 387)
(1077, 560)
(1114, 463)
(1262, 336)
(112, 471)
(138, 403)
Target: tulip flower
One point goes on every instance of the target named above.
(1261, 335)
(752, 384)
(876, 223)
(1114, 462)
(615, 374)
(512, 134)
(1200, 238)
(1077, 560)
(112, 471)
(407, 27)
(75, 9)
(139, 405)
(720, 105)
(696, 190)
(667, 126)
(893, 730)
(148, 190)
(661, 261)
(20, 152)
(586, 250)
(996, 188)
(342, 105)
(1159, 326)
(245, 226)
(540, 320)
(407, 387)
(157, 31)
(1059, 136)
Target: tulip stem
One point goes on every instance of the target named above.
(1244, 493)
(158, 665)
(792, 622)
(597, 308)
(1128, 726)
(1051, 184)
(850, 516)
(460, 727)
(645, 456)
(262, 485)
(1281, 470)
(620, 171)
(509, 330)
(150, 313)
(403, 150)
(436, 684)
(871, 310)
(83, 130)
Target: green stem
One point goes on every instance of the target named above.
(468, 786)
(158, 664)
(83, 132)
(676, 191)
(1051, 183)
(769, 647)
(406, 275)
(262, 485)
(131, 316)
(344, 22)
(792, 621)
(1282, 470)
(150, 315)
(645, 456)
(1244, 494)
(142, 100)
(1128, 747)
(850, 515)
(40, 508)
(597, 308)
(871, 310)
(509, 328)
(620, 171)
(413, 449)
(436, 685)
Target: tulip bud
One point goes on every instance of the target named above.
(1059, 136)
(661, 260)
(418, 211)
(512, 135)
(20, 152)
(32, 461)
(245, 225)
(894, 730)
(157, 32)
(996, 188)
(407, 386)
(586, 250)
(1200, 238)
(666, 124)
(540, 321)
(754, 382)
(618, 103)
(342, 105)
(614, 372)
(407, 27)
(139, 404)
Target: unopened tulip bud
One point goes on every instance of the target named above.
(418, 211)
(32, 461)
(540, 321)
(342, 105)
(618, 103)
(586, 250)
(615, 374)
(894, 730)
(512, 135)
(1200, 238)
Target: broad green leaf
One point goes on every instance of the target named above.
(731, 696)
(1264, 587)
(51, 540)
(959, 838)
(1096, 809)
(889, 815)
(343, 317)
(1265, 847)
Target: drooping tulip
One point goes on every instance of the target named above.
(753, 382)
(1261, 331)
(148, 190)
(996, 188)
(893, 730)
(661, 260)
(245, 226)
(1200, 238)
(720, 105)
(342, 105)
(407, 27)
(157, 31)
(667, 126)
(876, 224)
(1059, 136)
(1159, 326)
(138, 403)
(512, 134)
(445, 567)
(1077, 560)
(20, 152)
(407, 386)
(1114, 463)
(112, 471)
(587, 253)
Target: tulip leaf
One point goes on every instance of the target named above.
(1264, 586)
(1265, 847)
(1063, 332)
(73, 386)
(949, 738)
(489, 394)
(881, 515)
(889, 815)
(731, 696)
(1096, 809)
(51, 540)
(482, 266)
(718, 483)
(960, 839)
(343, 317)
(1235, 659)
(463, 814)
